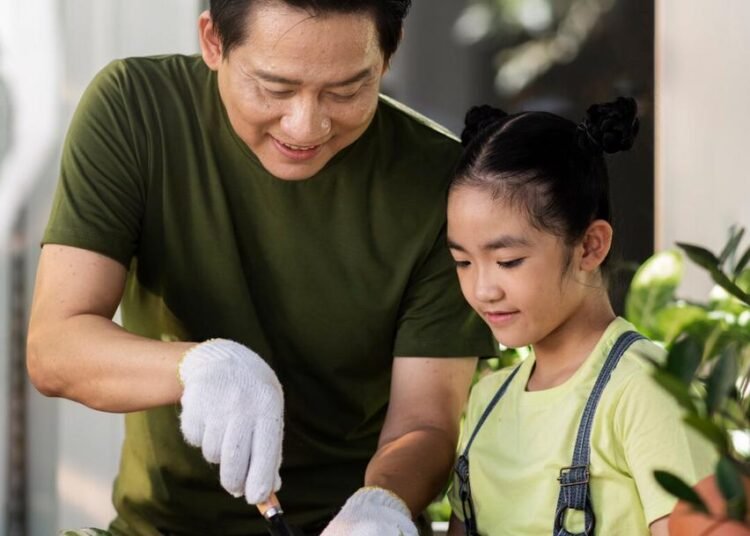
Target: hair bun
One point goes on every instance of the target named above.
(477, 119)
(609, 127)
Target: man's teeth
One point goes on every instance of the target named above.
(299, 147)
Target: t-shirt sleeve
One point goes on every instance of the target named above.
(98, 204)
(435, 319)
(654, 437)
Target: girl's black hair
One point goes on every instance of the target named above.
(547, 164)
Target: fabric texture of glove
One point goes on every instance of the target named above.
(372, 511)
(233, 409)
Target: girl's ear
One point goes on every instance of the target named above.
(209, 40)
(596, 243)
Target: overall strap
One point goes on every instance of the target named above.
(462, 464)
(574, 479)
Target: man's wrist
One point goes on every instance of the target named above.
(184, 356)
(383, 497)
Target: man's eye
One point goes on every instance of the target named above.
(343, 97)
(280, 94)
(510, 264)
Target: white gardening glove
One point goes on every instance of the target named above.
(233, 408)
(372, 511)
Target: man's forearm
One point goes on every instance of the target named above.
(415, 466)
(93, 361)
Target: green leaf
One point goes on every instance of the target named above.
(729, 481)
(680, 489)
(744, 260)
(684, 358)
(721, 300)
(732, 243)
(721, 381)
(672, 320)
(679, 391)
(710, 430)
(652, 289)
(723, 281)
(440, 510)
(700, 256)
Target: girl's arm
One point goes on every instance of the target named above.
(456, 527)
(660, 527)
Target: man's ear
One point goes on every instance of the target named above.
(387, 62)
(596, 243)
(209, 40)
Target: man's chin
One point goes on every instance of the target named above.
(294, 173)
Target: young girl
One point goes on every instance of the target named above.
(529, 228)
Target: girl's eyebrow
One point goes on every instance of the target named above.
(454, 245)
(504, 241)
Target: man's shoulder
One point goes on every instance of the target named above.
(420, 147)
(400, 112)
(411, 129)
(153, 72)
(158, 63)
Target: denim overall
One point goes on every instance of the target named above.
(574, 479)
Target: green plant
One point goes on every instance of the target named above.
(706, 369)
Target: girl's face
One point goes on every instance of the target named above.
(519, 279)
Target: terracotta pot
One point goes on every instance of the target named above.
(684, 521)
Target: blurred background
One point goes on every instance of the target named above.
(687, 62)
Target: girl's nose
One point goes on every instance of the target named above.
(486, 289)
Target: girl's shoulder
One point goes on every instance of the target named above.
(487, 386)
(493, 380)
(642, 356)
(634, 395)
(637, 362)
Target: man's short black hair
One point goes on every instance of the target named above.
(230, 17)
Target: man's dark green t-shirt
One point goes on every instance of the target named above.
(327, 278)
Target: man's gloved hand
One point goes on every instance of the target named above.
(233, 408)
(372, 511)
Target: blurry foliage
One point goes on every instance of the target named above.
(532, 36)
(707, 366)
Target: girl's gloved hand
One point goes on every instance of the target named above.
(372, 511)
(233, 408)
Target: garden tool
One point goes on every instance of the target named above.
(271, 510)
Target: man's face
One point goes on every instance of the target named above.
(301, 88)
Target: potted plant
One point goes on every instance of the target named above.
(706, 371)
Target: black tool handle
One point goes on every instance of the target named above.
(277, 526)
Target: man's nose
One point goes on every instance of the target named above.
(306, 122)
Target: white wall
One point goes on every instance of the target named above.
(73, 451)
(703, 119)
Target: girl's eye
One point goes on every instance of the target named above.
(510, 264)
(462, 264)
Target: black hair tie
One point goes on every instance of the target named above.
(479, 118)
(609, 127)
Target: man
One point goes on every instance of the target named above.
(265, 199)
